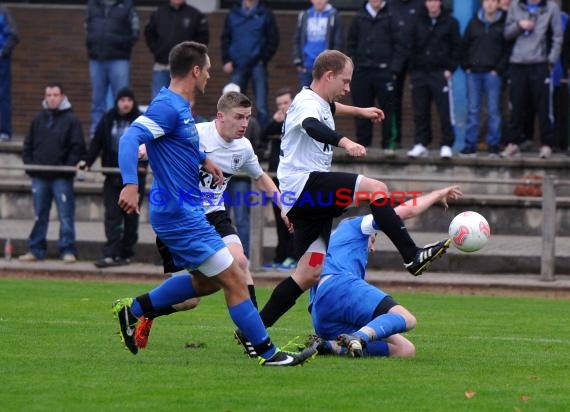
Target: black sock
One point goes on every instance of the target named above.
(146, 305)
(390, 223)
(252, 296)
(282, 299)
(164, 312)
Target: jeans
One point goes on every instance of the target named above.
(478, 86)
(258, 74)
(43, 191)
(237, 188)
(160, 79)
(5, 97)
(105, 73)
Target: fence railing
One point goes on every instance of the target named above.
(257, 221)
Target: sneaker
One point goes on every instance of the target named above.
(107, 262)
(28, 257)
(322, 346)
(127, 323)
(353, 344)
(545, 152)
(4, 137)
(512, 150)
(445, 152)
(271, 265)
(69, 258)
(142, 332)
(282, 358)
(425, 257)
(242, 340)
(468, 152)
(419, 150)
(287, 265)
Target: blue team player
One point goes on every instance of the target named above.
(176, 214)
(351, 316)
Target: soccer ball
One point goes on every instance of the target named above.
(469, 231)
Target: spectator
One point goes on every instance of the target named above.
(249, 40)
(436, 51)
(8, 40)
(504, 5)
(318, 28)
(378, 53)
(284, 252)
(405, 12)
(566, 64)
(55, 138)
(112, 30)
(169, 25)
(532, 24)
(121, 229)
(485, 60)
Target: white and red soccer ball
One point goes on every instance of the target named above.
(469, 231)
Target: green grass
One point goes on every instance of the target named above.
(60, 352)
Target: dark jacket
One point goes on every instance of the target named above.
(249, 38)
(566, 48)
(273, 129)
(112, 29)
(435, 46)
(334, 36)
(105, 142)
(376, 42)
(406, 12)
(169, 26)
(55, 138)
(8, 33)
(484, 46)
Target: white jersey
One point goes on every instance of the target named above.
(232, 157)
(300, 153)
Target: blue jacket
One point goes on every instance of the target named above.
(249, 37)
(8, 34)
(111, 29)
(303, 53)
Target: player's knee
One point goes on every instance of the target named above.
(242, 262)
(379, 189)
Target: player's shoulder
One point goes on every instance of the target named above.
(205, 128)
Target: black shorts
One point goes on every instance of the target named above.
(318, 204)
(221, 222)
(384, 306)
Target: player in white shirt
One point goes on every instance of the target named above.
(304, 175)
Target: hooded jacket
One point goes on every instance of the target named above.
(376, 42)
(541, 45)
(105, 142)
(251, 37)
(435, 46)
(55, 138)
(484, 46)
(169, 26)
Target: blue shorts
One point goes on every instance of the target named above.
(344, 304)
(190, 238)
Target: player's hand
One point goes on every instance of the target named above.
(129, 199)
(215, 171)
(449, 193)
(374, 114)
(287, 222)
(352, 148)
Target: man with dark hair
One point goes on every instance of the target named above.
(55, 138)
(172, 142)
(169, 25)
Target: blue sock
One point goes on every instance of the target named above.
(247, 320)
(377, 348)
(384, 326)
(173, 290)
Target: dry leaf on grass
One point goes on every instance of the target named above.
(469, 394)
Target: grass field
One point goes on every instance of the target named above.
(60, 352)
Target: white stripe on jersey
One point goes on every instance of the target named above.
(151, 125)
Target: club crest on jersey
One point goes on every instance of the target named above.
(237, 161)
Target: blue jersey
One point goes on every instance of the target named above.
(169, 133)
(347, 253)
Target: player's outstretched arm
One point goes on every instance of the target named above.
(373, 113)
(417, 205)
